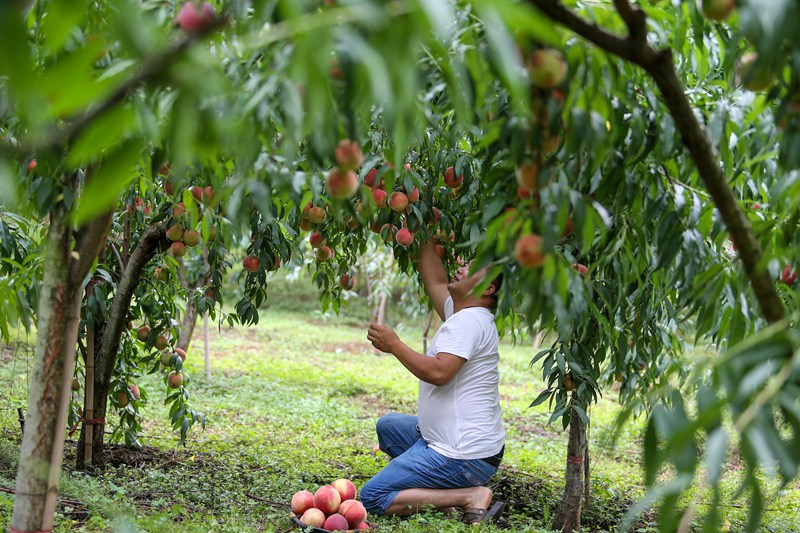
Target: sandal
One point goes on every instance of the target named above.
(474, 515)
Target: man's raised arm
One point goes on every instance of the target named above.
(434, 276)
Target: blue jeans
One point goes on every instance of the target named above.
(414, 465)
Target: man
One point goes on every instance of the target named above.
(444, 456)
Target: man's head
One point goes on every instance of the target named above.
(462, 284)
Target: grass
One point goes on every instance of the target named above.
(292, 404)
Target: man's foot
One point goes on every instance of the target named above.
(475, 515)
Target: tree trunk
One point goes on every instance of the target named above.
(151, 241)
(42, 449)
(188, 323)
(568, 515)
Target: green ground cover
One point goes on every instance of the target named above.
(291, 405)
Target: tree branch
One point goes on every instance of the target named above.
(88, 243)
(589, 31)
(120, 262)
(152, 68)
(661, 67)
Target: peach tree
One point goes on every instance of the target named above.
(560, 160)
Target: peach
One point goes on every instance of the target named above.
(404, 238)
(346, 488)
(302, 501)
(750, 76)
(179, 249)
(191, 237)
(353, 511)
(166, 358)
(371, 179)
(547, 68)
(32, 165)
(76, 384)
(569, 226)
(348, 155)
(398, 201)
(305, 225)
(161, 273)
(324, 253)
(175, 379)
(178, 209)
(161, 342)
(208, 194)
(175, 233)
(251, 263)
(316, 239)
(336, 522)
(134, 391)
(528, 176)
(379, 195)
(197, 192)
(305, 213)
(450, 178)
(122, 398)
(317, 215)
(181, 353)
(347, 282)
(275, 265)
(327, 499)
(788, 276)
(193, 20)
(142, 333)
(413, 197)
(362, 525)
(313, 517)
(440, 251)
(529, 252)
(717, 10)
(583, 270)
(341, 184)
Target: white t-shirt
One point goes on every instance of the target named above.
(462, 420)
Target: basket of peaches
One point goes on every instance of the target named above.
(331, 508)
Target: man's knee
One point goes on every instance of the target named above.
(372, 499)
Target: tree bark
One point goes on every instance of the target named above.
(188, 323)
(42, 449)
(568, 514)
(151, 242)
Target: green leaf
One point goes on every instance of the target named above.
(104, 184)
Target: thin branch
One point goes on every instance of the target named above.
(120, 262)
(88, 243)
(634, 18)
(592, 32)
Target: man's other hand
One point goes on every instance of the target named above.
(383, 338)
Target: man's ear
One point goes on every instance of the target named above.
(491, 289)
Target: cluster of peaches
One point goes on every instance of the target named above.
(332, 507)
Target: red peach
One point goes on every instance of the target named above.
(717, 10)
(175, 379)
(348, 155)
(341, 184)
(316, 239)
(528, 251)
(353, 511)
(371, 179)
(398, 201)
(197, 192)
(583, 270)
(324, 253)
(208, 194)
(569, 225)
(193, 20)
(788, 276)
(362, 525)
(178, 209)
(251, 263)
(347, 282)
(440, 251)
(32, 165)
(178, 249)
(413, 197)
(142, 333)
(346, 488)
(175, 233)
(122, 399)
(191, 237)
(547, 68)
(327, 499)
(336, 522)
(450, 178)
(181, 353)
(302, 501)
(134, 391)
(161, 342)
(313, 517)
(404, 238)
(317, 215)
(379, 195)
(527, 176)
